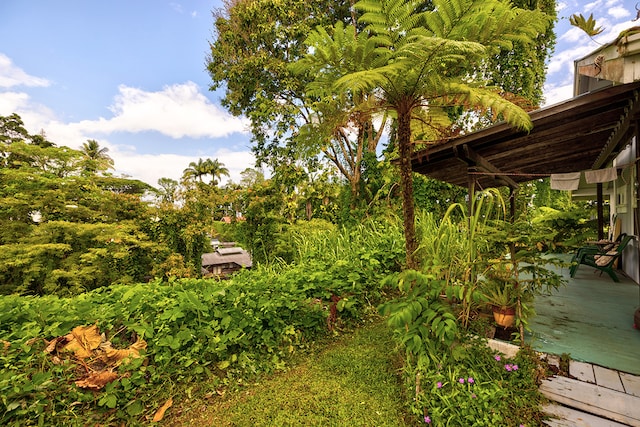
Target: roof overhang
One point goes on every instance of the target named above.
(583, 133)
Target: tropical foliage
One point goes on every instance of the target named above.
(65, 230)
(104, 318)
(188, 331)
(418, 63)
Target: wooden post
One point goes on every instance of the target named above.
(471, 190)
(637, 201)
(600, 212)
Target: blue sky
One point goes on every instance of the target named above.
(131, 75)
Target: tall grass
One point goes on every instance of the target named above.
(380, 240)
(451, 248)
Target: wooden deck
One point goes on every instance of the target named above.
(590, 319)
(592, 396)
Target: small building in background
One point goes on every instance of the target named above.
(225, 261)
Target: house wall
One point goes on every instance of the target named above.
(619, 62)
(622, 65)
(624, 206)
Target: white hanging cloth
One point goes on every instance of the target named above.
(565, 181)
(601, 175)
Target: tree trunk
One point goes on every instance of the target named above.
(405, 149)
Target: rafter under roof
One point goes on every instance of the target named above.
(582, 133)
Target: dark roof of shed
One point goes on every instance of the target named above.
(582, 133)
(227, 255)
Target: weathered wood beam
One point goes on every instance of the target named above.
(620, 129)
(473, 159)
(607, 69)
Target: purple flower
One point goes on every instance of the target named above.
(427, 419)
(461, 380)
(515, 367)
(497, 357)
(439, 384)
(473, 395)
(508, 367)
(471, 380)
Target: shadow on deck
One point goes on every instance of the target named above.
(591, 320)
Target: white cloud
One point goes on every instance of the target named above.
(35, 116)
(179, 110)
(573, 35)
(11, 102)
(554, 94)
(590, 7)
(562, 63)
(618, 12)
(11, 75)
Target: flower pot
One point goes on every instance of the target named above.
(504, 317)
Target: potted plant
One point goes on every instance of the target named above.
(500, 290)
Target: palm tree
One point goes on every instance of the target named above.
(96, 157)
(421, 60)
(196, 170)
(206, 167)
(217, 170)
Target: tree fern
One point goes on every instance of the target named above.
(423, 60)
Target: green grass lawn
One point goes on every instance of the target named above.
(353, 381)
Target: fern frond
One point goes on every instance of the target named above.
(489, 99)
(587, 25)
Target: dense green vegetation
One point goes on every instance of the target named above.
(194, 330)
(104, 316)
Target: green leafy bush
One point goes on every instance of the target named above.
(478, 387)
(202, 332)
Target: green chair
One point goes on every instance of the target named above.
(594, 249)
(602, 261)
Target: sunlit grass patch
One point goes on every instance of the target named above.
(352, 382)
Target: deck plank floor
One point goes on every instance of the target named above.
(593, 399)
(608, 378)
(631, 384)
(591, 320)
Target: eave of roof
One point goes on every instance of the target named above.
(582, 133)
(242, 258)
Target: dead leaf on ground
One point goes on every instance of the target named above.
(92, 350)
(83, 340)
(160, 412)
(51, 346)
(97, 380)
(116, 356)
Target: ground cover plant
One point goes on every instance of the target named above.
(452, 375)
(478, 387)
(203, 333)
(352, 381)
